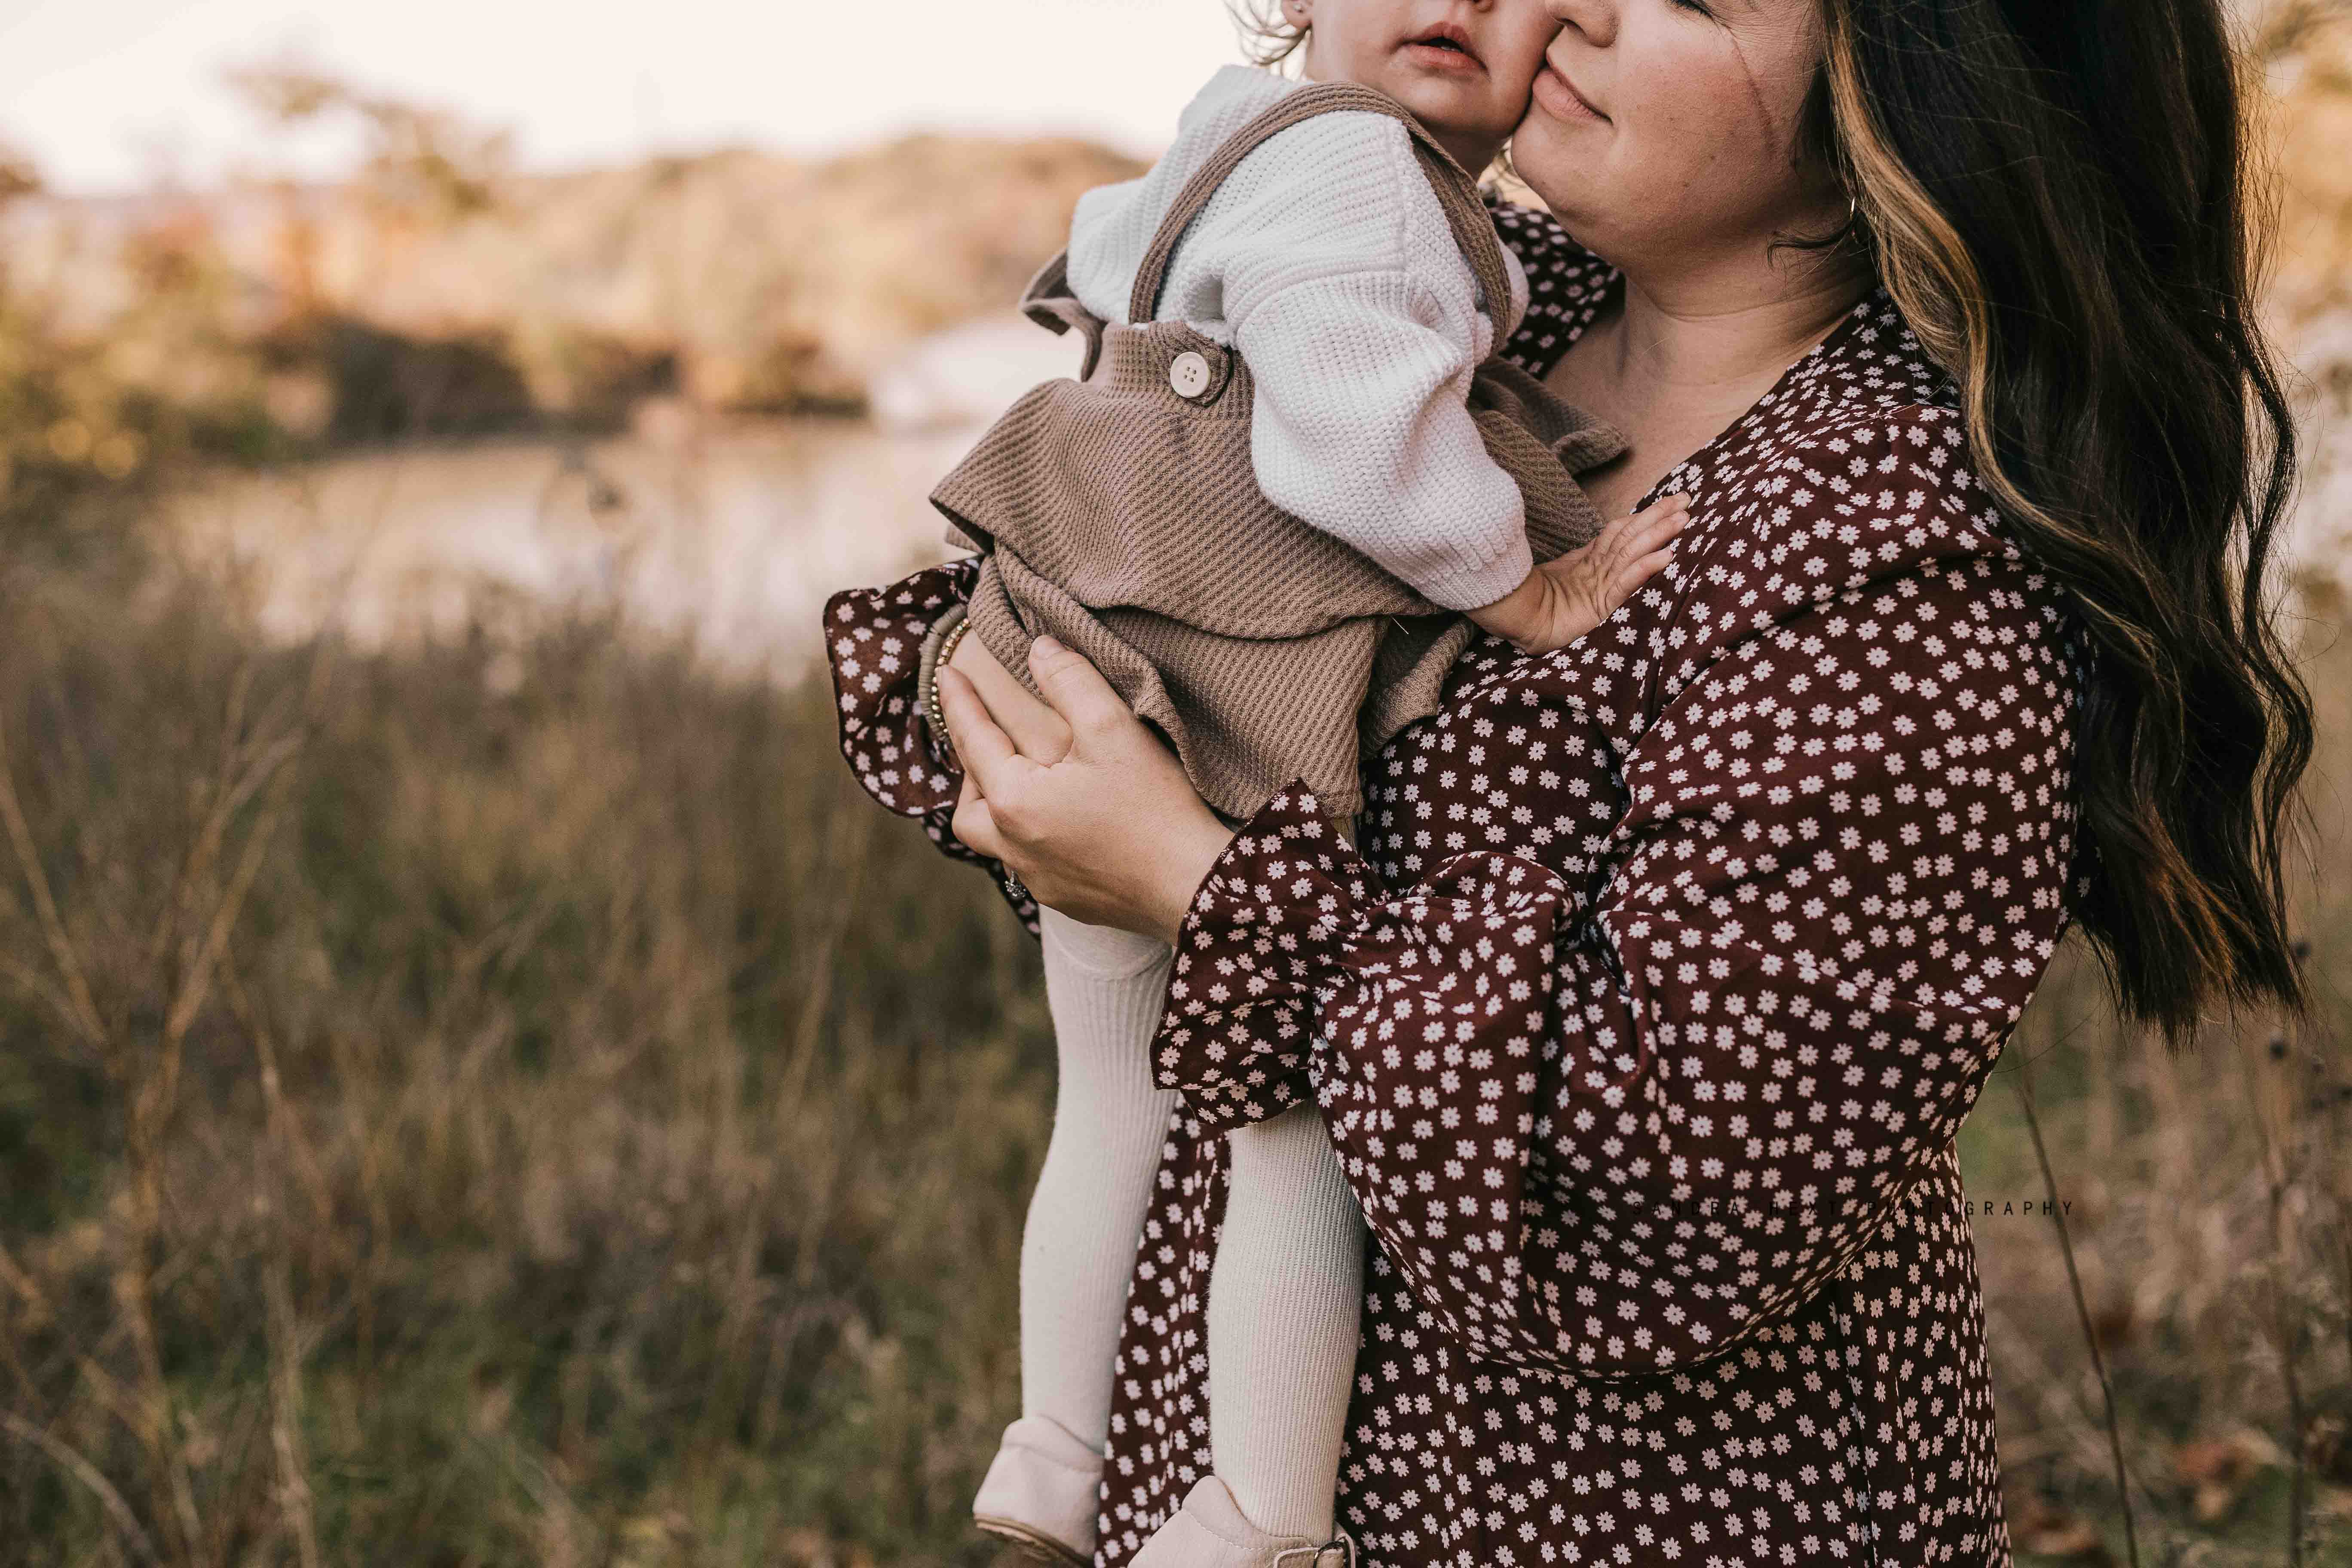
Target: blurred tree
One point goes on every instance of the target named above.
(19, 177)
(2283, 27)
(418, 155)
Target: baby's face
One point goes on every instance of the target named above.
(1464, 66)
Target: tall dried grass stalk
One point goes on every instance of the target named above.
(2023, 1081)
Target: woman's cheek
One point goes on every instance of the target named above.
(1694, 152)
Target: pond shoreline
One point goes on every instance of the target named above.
(730, 530)
(734, 534)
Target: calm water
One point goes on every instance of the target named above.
(731, 531)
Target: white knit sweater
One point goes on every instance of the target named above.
(1326, 260)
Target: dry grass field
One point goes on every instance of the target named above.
(513, 1101)
(510, 1099)
(447, 1119)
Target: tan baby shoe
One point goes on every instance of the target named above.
(1211, 1532)
(1041, 1492)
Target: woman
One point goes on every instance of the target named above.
(1670, 963)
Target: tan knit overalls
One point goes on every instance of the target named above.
(1122, 516)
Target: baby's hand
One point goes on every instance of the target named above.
(1566, 597)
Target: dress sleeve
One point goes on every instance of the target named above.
(1566, 285)
(873, 645)
(1615, 1119)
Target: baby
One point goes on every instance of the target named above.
(1307, 289)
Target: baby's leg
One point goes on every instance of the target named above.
(1105, 988)
(1284, 1296)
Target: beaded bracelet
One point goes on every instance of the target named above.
(933, 713)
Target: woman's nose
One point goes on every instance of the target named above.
(1594, 20)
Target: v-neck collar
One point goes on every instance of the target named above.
(1611, 290)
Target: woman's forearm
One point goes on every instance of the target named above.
(1186, 853)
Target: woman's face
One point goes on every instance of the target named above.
(1663, 133)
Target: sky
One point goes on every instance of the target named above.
(112, 95)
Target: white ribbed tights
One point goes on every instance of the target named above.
(1287, 1286)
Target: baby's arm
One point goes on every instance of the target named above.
(1362, 428)
(1358, 319)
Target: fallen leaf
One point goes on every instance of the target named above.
(2051, 1531)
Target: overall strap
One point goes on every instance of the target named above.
(1457, 192)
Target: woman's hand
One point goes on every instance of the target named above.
(1108, 831)
(1036, 731)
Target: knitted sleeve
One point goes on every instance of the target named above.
(1362, 428)
(1360, 323)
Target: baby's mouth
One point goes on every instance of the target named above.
(1447, 38)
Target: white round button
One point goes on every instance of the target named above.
(1188, 373)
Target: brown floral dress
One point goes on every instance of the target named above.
(1645, 1018)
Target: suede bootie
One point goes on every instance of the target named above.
(1211, 1532)
(1041, 1492)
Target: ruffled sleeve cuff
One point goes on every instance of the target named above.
(1263, 936)
(1297, 974)
(874, 640)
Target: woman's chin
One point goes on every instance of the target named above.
(1557, 164)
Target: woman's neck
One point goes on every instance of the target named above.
(1689, 351)
(1725, 336)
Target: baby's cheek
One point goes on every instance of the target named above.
(1521, 52)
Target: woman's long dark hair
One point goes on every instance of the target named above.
(2060, 196)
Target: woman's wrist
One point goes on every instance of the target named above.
(938, 651)
(1191, 852)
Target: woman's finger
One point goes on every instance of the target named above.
(1653, 530)
(1077, 688)
(1037, 731)
(986, 751)
(975, 829)
(1636, 572)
